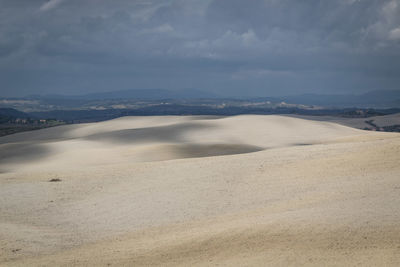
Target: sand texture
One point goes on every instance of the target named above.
(200, 191)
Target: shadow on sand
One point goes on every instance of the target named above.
(209, 150)
(169, 133)
(21, 153)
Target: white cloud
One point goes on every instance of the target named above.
(394, 34)
(231, 38)
(386, 25)
(50, 5)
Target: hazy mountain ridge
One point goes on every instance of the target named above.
(13, 113)
(369, 99)
(377, 98)
(139, 94)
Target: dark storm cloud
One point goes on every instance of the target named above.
(259, 47)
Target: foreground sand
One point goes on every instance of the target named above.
(245, 190)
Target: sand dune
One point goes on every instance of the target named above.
(243, 190)
(158, 138)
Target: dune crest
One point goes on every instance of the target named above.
(138, 139)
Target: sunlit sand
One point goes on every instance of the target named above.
(185, 191)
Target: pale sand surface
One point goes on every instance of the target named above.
(186, 191)
(360, 123)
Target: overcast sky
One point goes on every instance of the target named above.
(229, 47)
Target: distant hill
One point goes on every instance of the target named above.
(378, 98)
(9, 115)
(13, 113)
(139, 94)
(373, 99)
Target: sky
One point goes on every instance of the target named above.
(227, 47)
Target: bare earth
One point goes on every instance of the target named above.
(187, 191)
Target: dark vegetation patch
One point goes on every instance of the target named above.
(14, 121)
(392, 128)
(375, 127)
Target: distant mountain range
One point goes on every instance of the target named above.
(140, 94)
(13, 113)
(373, 99)
(370, 99)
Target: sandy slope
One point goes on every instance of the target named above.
(244, 190)
(360, 123)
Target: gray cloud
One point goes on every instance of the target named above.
(260, 47)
